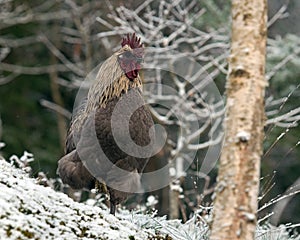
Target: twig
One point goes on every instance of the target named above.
(33, 70)
(280, 14)
(56, 108)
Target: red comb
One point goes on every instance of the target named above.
(133, 42)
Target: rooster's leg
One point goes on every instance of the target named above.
(112, 208)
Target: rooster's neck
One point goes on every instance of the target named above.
(119, 87)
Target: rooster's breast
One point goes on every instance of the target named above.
(140, 122)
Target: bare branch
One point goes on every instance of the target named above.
(13, 43)
(206, 144)
(8, 21)
(8, 78)
(282, 63)
(56, 108)
(75, 68)
(291, 116)
(33, 70)
(280, 14)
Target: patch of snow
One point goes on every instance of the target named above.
(172, 172)
(23, 161)
(176, 187)
(243, 136)
(94, 190)
(2, 145)
(249, 216)
(175, 229)
(230, 102)
(31, 211)
(27, 157)
(151, 201)
(267, 231)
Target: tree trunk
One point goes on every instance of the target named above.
(235, 204)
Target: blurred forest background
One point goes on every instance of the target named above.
(48, 47)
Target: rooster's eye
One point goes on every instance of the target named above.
(126, 55)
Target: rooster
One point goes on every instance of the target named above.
(111, 168)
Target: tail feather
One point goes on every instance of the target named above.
(73, 173)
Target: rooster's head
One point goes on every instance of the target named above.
(131, 55)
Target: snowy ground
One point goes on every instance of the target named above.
(31, 211)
